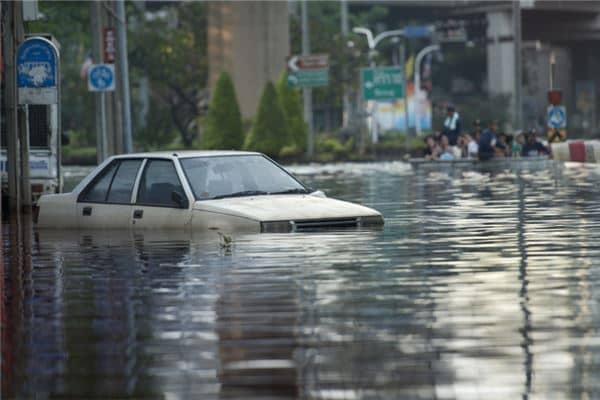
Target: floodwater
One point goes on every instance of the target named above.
(484, 284)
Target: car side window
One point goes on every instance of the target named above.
(96, 193)
(122, 184)
(159, 183)
(114, 184)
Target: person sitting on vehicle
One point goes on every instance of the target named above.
(432, 149)
(533, 148)
(502, 148)
(451, 127)
(487, 142)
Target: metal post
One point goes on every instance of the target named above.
(417, 83)
(124, 75)
(104, 144)
(12, 143)
(307, 92)
(552, 63)
(402, 60)
(516, 16)
(347, 117)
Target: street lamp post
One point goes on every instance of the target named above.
(417, 82)
(372, 42)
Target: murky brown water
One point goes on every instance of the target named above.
(484, 284)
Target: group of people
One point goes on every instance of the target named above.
(451, 144)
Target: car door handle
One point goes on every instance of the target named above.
(87, 211)
(138, 214)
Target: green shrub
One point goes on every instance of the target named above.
(332, 149)
(223, 128)
(269, 132)
(72, 155)
(289, 98)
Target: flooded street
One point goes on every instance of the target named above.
(483, 284)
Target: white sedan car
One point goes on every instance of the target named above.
(229, 191)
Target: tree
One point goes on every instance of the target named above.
(270, 132)
(224, 121)
(167, 45)
(289, 98)
(69, 23)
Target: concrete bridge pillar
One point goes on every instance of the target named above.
(501, 68)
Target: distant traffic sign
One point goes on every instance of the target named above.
(383, 83)
(37, 71)
(418, 31)
(308, 71)
(101, 78)
(556, 117)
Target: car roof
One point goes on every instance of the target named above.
(186, 154)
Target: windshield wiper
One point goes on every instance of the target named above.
(241, 194)
(292, 191)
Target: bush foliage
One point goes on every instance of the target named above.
(224, 120)
(289, 98)
(269, 132)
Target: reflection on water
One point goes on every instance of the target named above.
(483, 284)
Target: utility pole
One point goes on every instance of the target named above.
(95, 22)
(307, 92)
(10, 98)
(124, 75)
(22, 122)
(516, 19)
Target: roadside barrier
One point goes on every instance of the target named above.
(577, 151)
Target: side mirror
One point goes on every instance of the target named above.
(178, 199)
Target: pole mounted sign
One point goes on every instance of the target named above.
(556, 121)
(308, 71)
(108, 44)
(382, 83)
(101, 78)
(37, 71)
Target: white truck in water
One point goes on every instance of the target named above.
(44, 153)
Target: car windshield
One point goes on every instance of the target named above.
(233, 176)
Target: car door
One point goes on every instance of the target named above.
(161, 201)
(106, 202)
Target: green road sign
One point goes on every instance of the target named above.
(308, 70)
(383, 83)
(308, 78)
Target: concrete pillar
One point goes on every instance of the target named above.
(501, 55)
(250, 40)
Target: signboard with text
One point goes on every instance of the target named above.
(382, 83)
(308, 71)
(109, 41)
(37, 71)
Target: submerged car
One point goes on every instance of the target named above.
(201, 190)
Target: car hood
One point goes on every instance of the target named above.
(284, 207)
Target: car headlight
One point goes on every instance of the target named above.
(276, 226)
(372, 220)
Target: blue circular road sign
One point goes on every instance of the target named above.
(101, 78)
